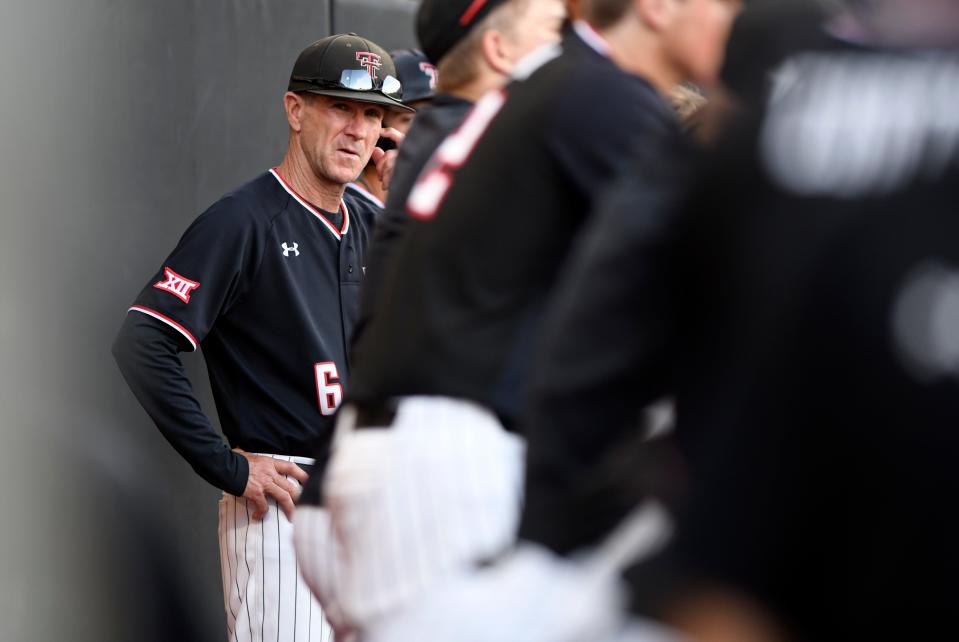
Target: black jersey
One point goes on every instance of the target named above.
(268, 285)
(495, 213)
(800, 305)
(817, 385)
(433, 124)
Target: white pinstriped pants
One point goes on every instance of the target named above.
(415, 503)
(264, 596)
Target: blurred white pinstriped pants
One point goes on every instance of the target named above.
(414, 503)
(264, 596)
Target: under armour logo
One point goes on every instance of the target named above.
(430, 71)
(176, 285)
(287, 249)
(369, 60)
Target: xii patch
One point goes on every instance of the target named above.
(177, 285)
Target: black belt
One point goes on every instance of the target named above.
(374, 415)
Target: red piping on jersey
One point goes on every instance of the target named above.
(165, 319)
(471, 12)
(302, 201)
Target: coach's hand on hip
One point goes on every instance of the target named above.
(267, 480)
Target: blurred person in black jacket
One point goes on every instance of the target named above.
(471, 58)
(474, 48)
(800, 302)
(441, 365)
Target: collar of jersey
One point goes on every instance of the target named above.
(312, 210)
(365, 193)
(591, 37)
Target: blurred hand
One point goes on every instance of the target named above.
(384, 161)
(267, 480)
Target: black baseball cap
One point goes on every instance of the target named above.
(417, 74)
(440, 24)
(348, 66)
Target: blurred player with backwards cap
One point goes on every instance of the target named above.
(474, 47)
(474, 50)
(266, 280)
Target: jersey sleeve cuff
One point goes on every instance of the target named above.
(167, 320)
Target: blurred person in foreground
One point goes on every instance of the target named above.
(825, 387)
(475, 48)
(579, 426)
(267, 280)
(764, 34)
(439, 368)
(475, 51)
(800, 302)
(418, 77)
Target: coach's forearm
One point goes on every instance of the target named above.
(147, 355)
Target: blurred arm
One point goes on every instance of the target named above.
(602, 359)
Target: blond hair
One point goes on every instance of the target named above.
(462, 64)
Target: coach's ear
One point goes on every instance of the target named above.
(294, 105)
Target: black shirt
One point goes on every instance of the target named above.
(817, 392)
(433, 123)
(268, 286)
(800, 304)
(461, 304)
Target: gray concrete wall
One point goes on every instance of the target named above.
(388, 22)
(120, 120)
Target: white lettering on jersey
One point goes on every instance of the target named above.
(329, 392)
(178, 286)
(850, 126)
(427, 195)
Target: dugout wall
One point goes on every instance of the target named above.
(120, 121)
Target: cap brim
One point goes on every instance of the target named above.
(361, 97)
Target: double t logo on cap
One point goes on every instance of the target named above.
(370, 61)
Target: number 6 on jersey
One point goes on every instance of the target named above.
(328, 391)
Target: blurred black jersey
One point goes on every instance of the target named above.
(816, 288)
(495, 213)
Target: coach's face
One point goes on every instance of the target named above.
(337, 135)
